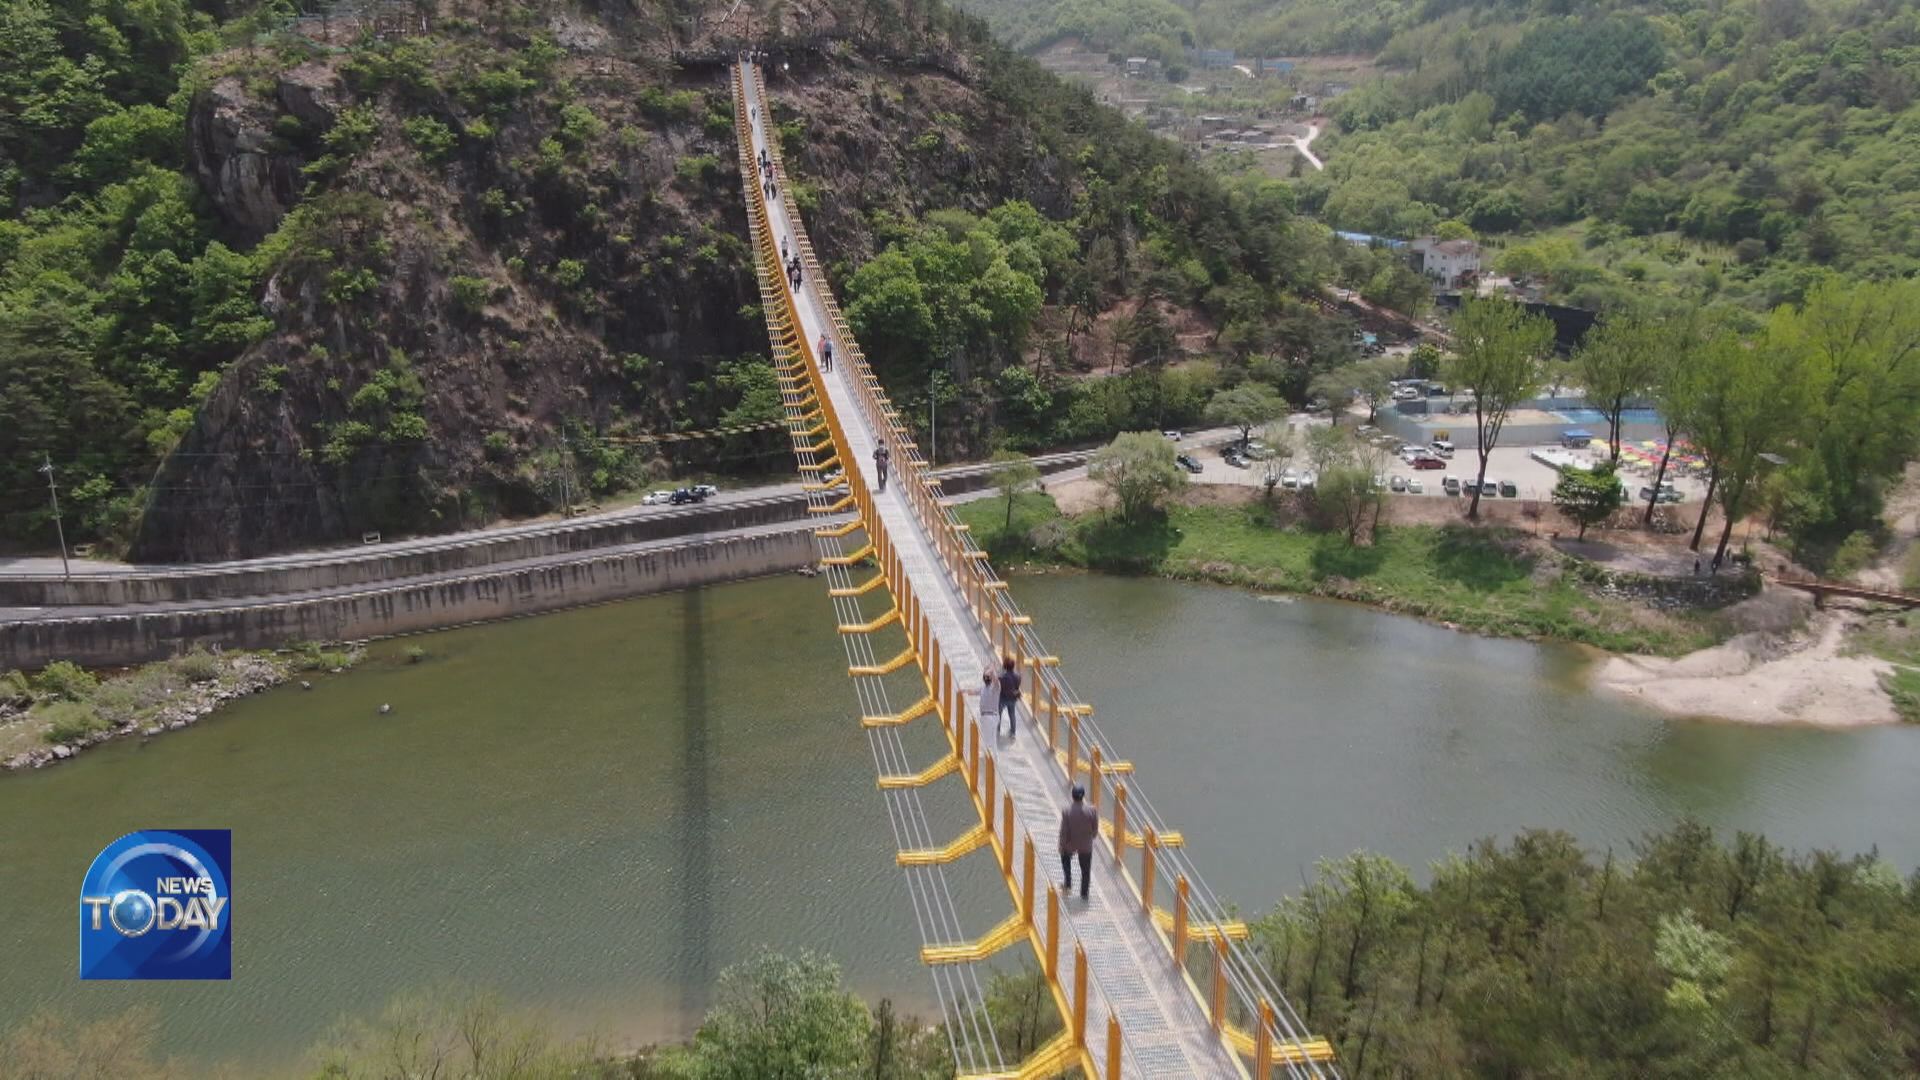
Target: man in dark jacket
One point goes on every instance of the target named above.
(1079, 827)
(1010, 694)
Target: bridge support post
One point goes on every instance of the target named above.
(1263, 1043)
(1220, 983)
(1026, 888)
(1113, 1047)
(1180, 921)
(987, 806)
(1120, 825)
(1052, 959)
(1148, 843)
(1073, 749)
(1053, 717)
(1006, 828)
(1079, 995)
(973, 754)
(1093, 776)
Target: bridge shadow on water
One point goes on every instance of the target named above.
(693, 843)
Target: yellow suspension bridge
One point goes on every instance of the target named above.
(1151, 976)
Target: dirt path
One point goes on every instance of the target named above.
(1761, 678)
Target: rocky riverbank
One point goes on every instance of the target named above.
(65, 710)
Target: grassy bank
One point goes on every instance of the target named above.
(1485, 580)
(64, 708)
(1895, 638)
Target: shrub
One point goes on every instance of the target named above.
(15, 691)
(416, 653)
(198, 666)
(70, 721)
(66, 681)
(1856, 551)
(578, 125)
(312, 656)
(470, 294)
(569, 273)
(432, 138)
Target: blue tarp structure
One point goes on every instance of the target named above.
(1576, 433)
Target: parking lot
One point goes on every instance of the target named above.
(1533, 479)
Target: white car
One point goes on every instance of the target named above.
(1174, 435)
(1290, 480)
(1441, 448)
(657, 498)
(1415, 486)
(705, 491)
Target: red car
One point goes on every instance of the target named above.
(1427, 461)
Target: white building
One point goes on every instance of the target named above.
(1449, 262)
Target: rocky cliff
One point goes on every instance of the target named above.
(496, 241)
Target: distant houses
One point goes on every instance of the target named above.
(1451, 263)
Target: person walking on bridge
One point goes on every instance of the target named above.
(1079, 826)
(1009, 694)
(826, 353)
(881, 456)
(989, 696)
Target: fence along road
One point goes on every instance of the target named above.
(1144, 991)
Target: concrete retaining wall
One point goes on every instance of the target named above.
(354, 567)
(111, 640)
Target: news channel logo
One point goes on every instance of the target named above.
(156, 904)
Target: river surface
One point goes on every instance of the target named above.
(592, 813)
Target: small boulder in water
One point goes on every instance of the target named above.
(385, 709)
(305, 685)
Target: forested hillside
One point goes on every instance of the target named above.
(267, 281)
(1719, 148)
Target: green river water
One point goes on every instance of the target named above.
(592, 813)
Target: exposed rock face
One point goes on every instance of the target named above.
(313, 94)
(233, 152)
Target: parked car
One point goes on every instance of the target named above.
(1489, 488)
(1308, 480)
(1415, 486)
(1436, 390)
(1379, 482)
(1235, 459)
(1187, 462)
(1667, 494)
(1257, 450)
(1396, 482)
(1451, 485)
(1174, 435)
(1509, 489)
(1427, 461)
(687, 495)
(657, 498)
(1290, 480)
(1443, 447)
(705, 491)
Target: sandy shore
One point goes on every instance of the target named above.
(1762, 678)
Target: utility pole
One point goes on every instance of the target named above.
(66, 572)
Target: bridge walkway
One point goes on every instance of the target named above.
(1158, 1019)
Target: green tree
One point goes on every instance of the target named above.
(1588, 496)
(1013, 473)
(1246, 407)
(1138, 469)
(1617, 363)
(1497, 352)
(781, 1018)
(1752, 401)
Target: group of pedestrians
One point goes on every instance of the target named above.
(767, 186)
(1079, 823)
(795, 275)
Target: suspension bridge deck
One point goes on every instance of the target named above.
(1159, 1022)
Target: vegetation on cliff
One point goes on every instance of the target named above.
(267, 281)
